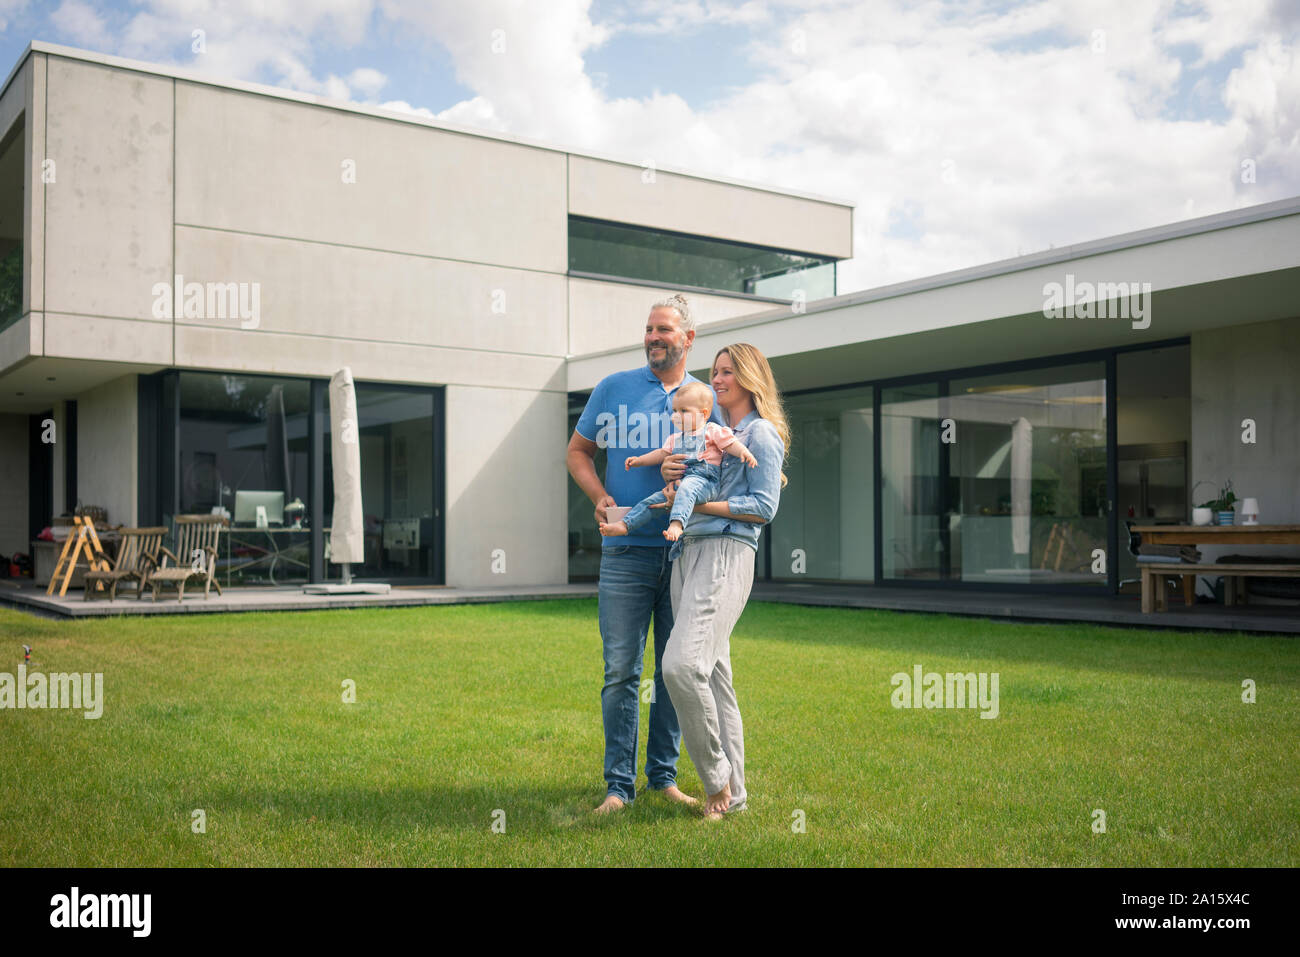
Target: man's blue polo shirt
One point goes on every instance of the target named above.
(629, 413)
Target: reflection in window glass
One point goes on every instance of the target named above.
(395, 431)
(584, 535)
(910, 504)
(634, 252)
(824, 527)
(1029, 475)
(13, 188)
(244, 450)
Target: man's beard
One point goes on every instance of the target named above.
(672, 355)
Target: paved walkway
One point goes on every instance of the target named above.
(280, 598)
(1097, 609)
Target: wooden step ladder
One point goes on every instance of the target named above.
(84, 537)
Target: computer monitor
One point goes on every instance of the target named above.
(246, 504)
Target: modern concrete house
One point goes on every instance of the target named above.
(995, 428)
(186, 262)
(990, 429)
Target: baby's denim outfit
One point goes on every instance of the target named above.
(701, 483)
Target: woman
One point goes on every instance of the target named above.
(713, 570)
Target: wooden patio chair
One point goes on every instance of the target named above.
(195, 556)
(137, 556)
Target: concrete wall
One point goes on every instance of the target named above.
(506, 487)
(107, 449)
(607, 315)
(13, 479)
(108, 215)
(444, 242)
(628, 193)
(1248, 372)
(412, 254)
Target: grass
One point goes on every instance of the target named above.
(465, 710)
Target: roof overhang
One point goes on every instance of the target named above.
(1229, 269)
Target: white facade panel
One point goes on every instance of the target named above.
(108, 214)
(262, 165)
(628, 193)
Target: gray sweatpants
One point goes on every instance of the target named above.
(710, 584)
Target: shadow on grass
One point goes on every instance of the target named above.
(450, 808)
(1198, 655)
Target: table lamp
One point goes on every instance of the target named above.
(1249, 511)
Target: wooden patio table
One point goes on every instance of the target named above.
(1214, 535)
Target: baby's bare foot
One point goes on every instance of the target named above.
(613, 528)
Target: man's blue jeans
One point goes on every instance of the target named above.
(635, 581)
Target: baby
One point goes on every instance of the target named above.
(704, 442)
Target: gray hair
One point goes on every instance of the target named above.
(677, 301)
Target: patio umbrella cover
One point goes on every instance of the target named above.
(347, 539)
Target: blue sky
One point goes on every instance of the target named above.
(965, 132)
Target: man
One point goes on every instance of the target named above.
(629, 413)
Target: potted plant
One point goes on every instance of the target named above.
(1222, 506)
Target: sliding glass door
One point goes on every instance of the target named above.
(398, 470)
(1028, 469)
(825, 527)
(913, 525)
(242, 446)
(999, 479)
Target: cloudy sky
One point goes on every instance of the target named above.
(965, 132)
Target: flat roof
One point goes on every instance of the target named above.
(177, 73)
(1142, 237)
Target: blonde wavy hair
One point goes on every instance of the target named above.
(755, 377)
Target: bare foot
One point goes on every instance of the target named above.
(611, 804)
(613, 528)
(673, 531)
(717, 804)
(673, 793)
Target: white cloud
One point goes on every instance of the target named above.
(367, 81)
(255, 41)
(8, 8)
(401, 106)
(965, 133)
(82, 24)
(671, 16)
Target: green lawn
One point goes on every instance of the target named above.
(464, 710)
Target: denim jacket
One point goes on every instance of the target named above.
(747, 491)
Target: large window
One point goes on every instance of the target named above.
(396, 432)
(243, 445)
(996, 476)
(634, 252)
(911, 513)
(12, 151)
(1028, 469)
(999, 479)
(584, 535)
(825, 526)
